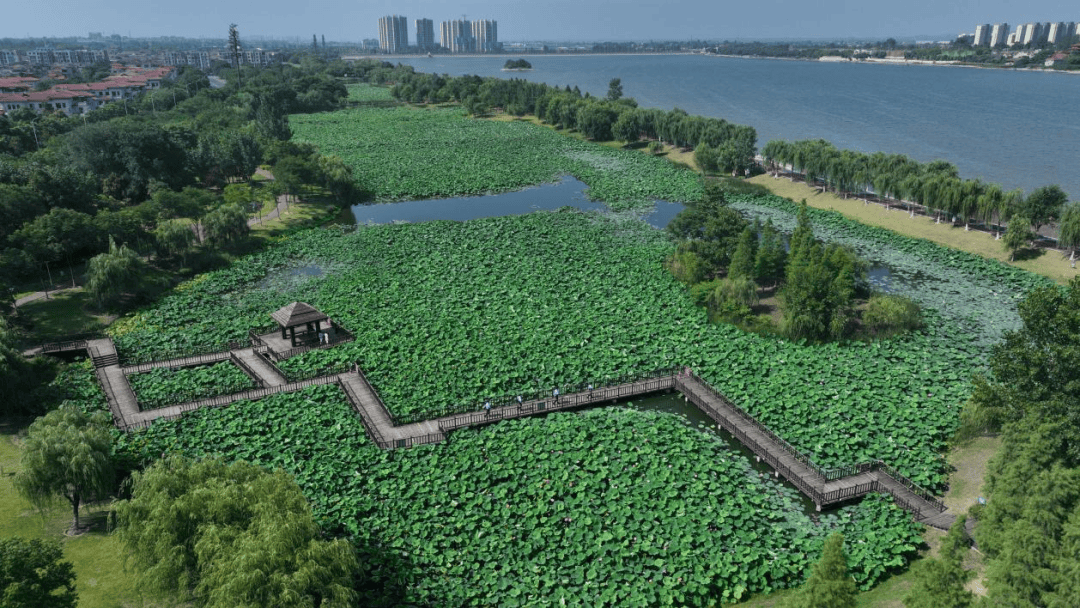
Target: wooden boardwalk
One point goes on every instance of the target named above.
(823, 486)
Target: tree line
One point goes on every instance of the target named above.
(719, 144)
(935, 186)
(139, 173)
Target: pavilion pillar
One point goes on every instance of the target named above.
(283, 334)
(292, 336)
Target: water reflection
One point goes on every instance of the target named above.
(568, 192)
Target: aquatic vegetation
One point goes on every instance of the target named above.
(164, 386)
(404, 153)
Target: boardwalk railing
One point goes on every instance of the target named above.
(340, 336)
(227, 399)
(819, 497)
(192, 361)
(578, 394)
(369, 424)
(114, 406)
(247, 369)
(73, 342)
(911, 486)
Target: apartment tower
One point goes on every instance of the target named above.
(485, 33)
(425, 34)
(982, 35)
(457, 36)
(393, 34)
(999, 34)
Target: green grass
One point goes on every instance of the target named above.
(62, 314)
(97, 556)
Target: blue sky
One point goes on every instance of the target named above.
(530, 20)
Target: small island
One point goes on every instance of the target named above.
(516, 65)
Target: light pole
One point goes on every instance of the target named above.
(37, 143)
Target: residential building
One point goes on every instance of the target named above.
(485, 35)
(198, 59)
(393, 34)
(370, 44)
(999, 34)
(1034, 33)
(457, 36)
(17, 84)
(259, 57)
(51, 56)
(425, 35)
(982, 35)
(1014, 37)
(83, 97)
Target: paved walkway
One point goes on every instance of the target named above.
(282, 202)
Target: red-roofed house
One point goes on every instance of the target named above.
(16, 84)
(68, 102)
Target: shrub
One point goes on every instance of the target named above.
(888, 314)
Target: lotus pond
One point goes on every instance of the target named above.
(606, 506)
(457, 312)
(163, 386)
(403, 153)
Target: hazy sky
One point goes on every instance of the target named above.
(530, 20)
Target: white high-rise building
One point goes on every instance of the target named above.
(1034, 33)
(982, 35)
(457, 36)
(485, 33)
(999, 34)
(393, 33)
(1057, 32)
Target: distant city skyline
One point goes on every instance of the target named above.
(553, 20)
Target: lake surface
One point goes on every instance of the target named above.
(1014, 128)
(569, 192)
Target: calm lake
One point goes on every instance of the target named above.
(1015, 128)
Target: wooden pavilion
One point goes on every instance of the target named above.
(306, 316)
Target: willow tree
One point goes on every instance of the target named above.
(1069, 238)
(231, 535)
(110, 274)
(1017, 235)
(67, 453)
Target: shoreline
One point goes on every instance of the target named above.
(872, 61)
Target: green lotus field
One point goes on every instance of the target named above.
(602, 507)
(575, 505)
(403, 153)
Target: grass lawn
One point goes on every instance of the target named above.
(309, 211)
(63, 314)
(96, 555)
(1049, 263)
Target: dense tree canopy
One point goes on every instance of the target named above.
(1036, 370)
(231, 535)
(32, 575)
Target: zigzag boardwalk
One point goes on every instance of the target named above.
(823, 486)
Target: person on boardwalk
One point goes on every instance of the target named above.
(555, 394)
(487, 408)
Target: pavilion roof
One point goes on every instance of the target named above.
(297, 313)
